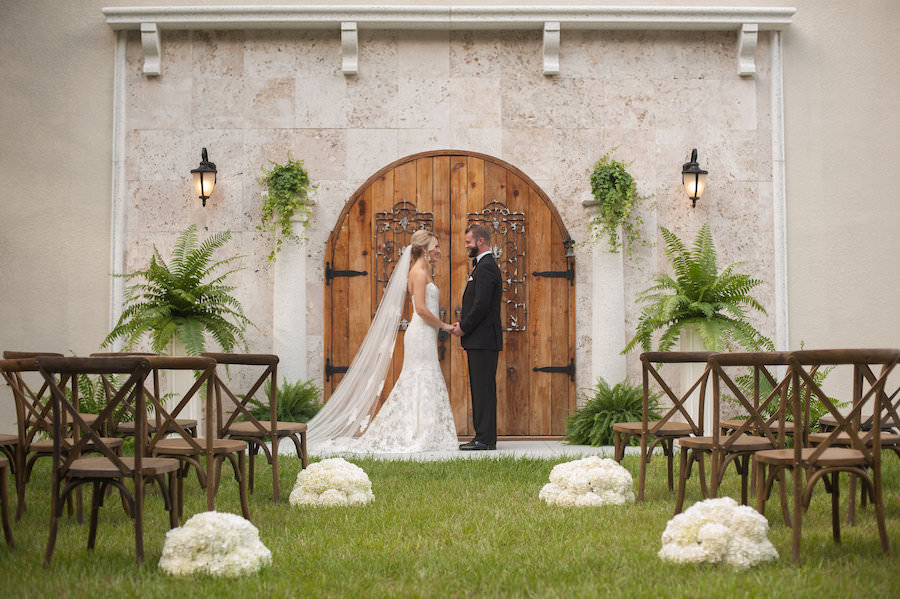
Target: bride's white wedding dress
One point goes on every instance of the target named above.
(416, 416)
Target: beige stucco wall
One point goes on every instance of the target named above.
(842, 141)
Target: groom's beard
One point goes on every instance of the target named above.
(473, 252)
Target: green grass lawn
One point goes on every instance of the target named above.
(462, 528)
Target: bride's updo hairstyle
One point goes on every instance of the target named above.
(420, 241)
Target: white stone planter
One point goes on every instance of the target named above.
(690, 341)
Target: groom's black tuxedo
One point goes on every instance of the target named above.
(483, 339)
(480, 317)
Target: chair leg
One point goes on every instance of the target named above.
(253, 449)
(276, 491)
(242, 484)
(835, 506)
(304, 456)
(683, 473)
(669, 449)
(96, 501)
(139, 517)
(642, 468)
(4, 508)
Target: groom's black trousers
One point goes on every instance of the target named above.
(483, 385)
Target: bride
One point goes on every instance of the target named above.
(416, 416)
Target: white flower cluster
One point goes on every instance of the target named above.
(214, 543)
(334, 481)
(591, 481)
(718, 530)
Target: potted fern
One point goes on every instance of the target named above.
(287, 197)
(616, 197)
(604, 406)
(698, 294)
(182, 300)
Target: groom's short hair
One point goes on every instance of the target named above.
(480, 231)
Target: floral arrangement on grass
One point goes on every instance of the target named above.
(715, 531)
(214, 543)
(591, 481)
(334, 481)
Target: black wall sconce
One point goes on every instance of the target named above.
(204, 177)
(693, 178)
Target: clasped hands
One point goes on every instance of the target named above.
(453, 329)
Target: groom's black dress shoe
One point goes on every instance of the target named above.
(476, 446)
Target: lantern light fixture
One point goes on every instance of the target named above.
(204, 177)
(693, 178)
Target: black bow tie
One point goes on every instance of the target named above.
(474, 262)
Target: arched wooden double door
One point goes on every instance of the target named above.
(443, 191)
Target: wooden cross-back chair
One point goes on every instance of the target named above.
(663, 432)
(204, 454)
(241, 424)
(71, 469)
(736, 443)
(34, 419)
(125, 426)
(858, 454)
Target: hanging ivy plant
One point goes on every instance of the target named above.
(617, 198)
(288, 195)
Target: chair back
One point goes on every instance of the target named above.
(236, 407)
(33, 407)
(204, 372)
(766, 410)
(649, 371)
(870, 371)
(54, 369)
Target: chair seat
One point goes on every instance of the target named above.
(741, 443)
(669, 429)
(832, 456)
(890, 439)
(14, 439)
(737, 423)
(152, 427)
(46, 445)
(831, 422)
(104, 467)
(249, 429)
(182, 447)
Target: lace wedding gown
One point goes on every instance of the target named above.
(416, 416)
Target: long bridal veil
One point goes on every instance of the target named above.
(349, 409)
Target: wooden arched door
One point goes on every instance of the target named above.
(444, 191)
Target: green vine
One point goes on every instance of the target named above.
(288, 195)
(617, 198)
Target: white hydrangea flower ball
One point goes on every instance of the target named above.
(334, 481)
(591, 481)
(214, 543)
(715, 531)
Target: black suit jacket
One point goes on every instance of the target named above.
(480, 317)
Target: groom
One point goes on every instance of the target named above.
(482, 335)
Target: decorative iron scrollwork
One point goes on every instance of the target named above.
(392, 232)
(508, 241)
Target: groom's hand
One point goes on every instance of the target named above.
(456, 330)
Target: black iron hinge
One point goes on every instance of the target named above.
(331, 369)
(570, 369)
(558, 274)
(330, 273)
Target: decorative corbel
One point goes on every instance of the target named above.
(152, 50)
(747, 38)
(551, 48)
(350, 48)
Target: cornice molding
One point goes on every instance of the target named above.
(449, 17)
(552, 20)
